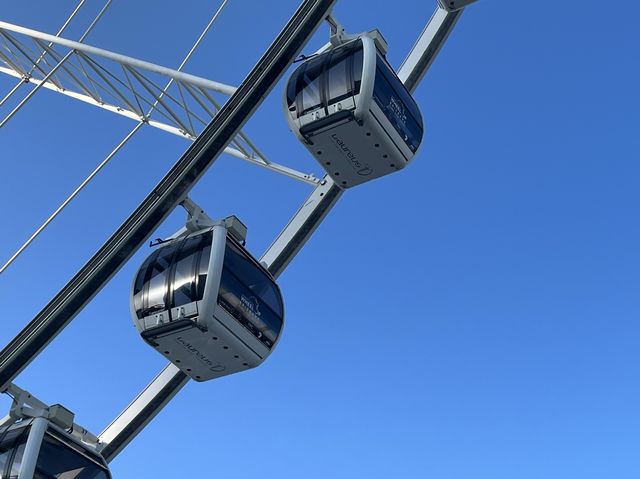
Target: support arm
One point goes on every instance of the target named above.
(285, 247)
(431, 40)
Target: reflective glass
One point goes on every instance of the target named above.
(339, 75)
(250, 296)
(11, 452)
(309, 85)
(60, 461)
(138, 287)
(156, 285)
(397, 105)
(253, 277)
(184, 279)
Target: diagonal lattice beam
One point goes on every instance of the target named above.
(125, 86)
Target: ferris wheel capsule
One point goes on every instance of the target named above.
(207, 305)
(352, 112)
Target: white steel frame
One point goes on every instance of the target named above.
(124, 85)
(284, 248)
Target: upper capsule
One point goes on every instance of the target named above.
(352, 112)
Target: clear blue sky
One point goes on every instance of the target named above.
(473, 316)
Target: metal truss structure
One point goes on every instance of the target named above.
(123, 85)
(187, 106)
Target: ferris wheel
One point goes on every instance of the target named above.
(201, 299)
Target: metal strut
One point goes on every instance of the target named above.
(284, 248)
(169, 192)
(172, 189)
(42, 55)
(145, 119)
(125, 88)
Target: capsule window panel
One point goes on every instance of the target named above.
(253, 277)
(139, 285)
(339, 84)
(310, 87)
(397, 105)
(248, 309)
(344, 73)
(184, 282)
(250, 296)
(11, 451)
(156, 278)
(64, 462)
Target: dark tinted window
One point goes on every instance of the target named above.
(339, 75)
(184, 280)
(309, 85)
(11, 450)
(397, 105)
(57, 460)
(151, 289)
(138, 287)
(326, 79)
(252, 276)
(250, 295)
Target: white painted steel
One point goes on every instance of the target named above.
(164, 387)
(175, 126)
(427, 47)
(32, 448)
(171, 379)
(214, 274)
(35, 90)
(455, 5)
(121, 59)
(257, 158)
(143, 408)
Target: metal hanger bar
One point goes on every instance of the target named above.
(95, 21)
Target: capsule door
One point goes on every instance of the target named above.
(330, 89)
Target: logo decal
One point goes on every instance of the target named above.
(398, 109)
(360, 168)
(250, 305)
(215, 367)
